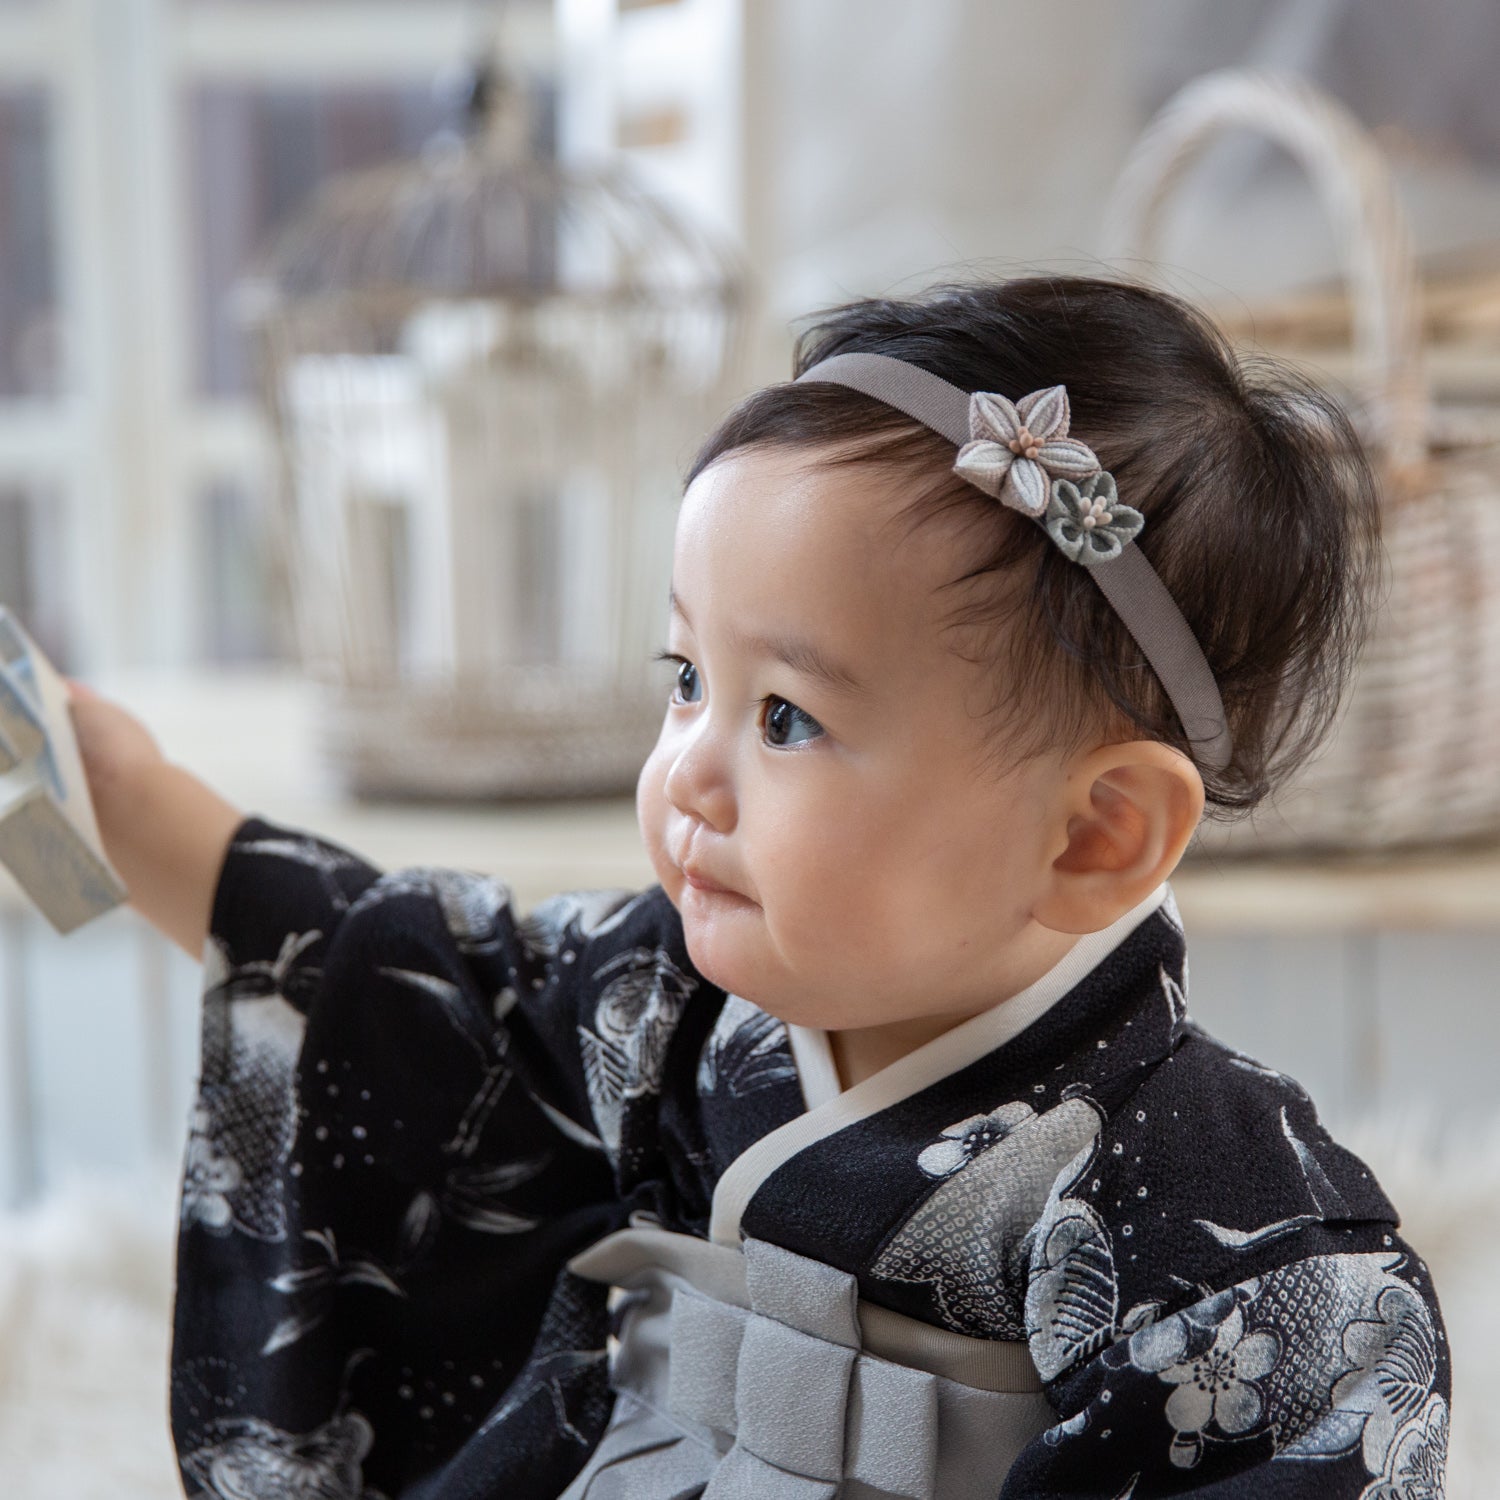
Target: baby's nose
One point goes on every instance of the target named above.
(699, 784)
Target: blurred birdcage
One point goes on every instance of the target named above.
(486, 371)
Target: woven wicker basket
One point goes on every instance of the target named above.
(1416, 756)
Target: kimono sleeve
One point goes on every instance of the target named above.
(391, 1159)
(1326, 1376)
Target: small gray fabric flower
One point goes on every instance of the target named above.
(1087, 521)
(1016, 450)
(959, 1144)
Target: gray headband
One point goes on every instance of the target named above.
(1021, 455)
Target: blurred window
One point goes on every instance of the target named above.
(32, 534)
(258, 154)
(237, 584)
(32, 566)
(28, 281)
(148, 151)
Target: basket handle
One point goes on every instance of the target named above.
(1354, 184)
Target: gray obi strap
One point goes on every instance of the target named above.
(762, 1376)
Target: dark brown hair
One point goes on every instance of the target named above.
(1260, 506)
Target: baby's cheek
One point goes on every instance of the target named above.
(835, 905)
(651, 809)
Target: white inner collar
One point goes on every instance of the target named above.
(830, 1109)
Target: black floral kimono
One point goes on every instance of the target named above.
(417, 1108)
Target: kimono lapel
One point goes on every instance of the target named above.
(816, 1069)
(919, 1070)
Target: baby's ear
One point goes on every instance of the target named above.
(1128, 812)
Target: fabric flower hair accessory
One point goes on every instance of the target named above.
(1019, 453)
(1017, 449)
(1087, 521)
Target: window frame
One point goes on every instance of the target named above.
(129, 447)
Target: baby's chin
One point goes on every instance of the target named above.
(725, 936)
(755, 973)
(733, 946)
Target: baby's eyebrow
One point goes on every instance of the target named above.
(794, 651)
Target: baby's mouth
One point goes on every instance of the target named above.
(696, 878)
(702, 882)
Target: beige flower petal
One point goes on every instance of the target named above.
(1025, 488)
(1237, 1408)
(1159, 1348)
(1045, 413)
(1190, 1408)
(942, 1158)
(991, 415)
(1256, 1355)
(1067, 458)
(1230, 1331)
(985, 464)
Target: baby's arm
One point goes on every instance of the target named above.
(163, 829)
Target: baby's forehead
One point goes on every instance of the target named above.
(827, 494)
(779, 536)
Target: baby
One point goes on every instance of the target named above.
(874, 1152)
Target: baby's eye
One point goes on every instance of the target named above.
(688, 687)
(786, 724)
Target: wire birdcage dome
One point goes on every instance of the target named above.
(486, 370)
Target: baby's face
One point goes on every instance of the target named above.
(817, 807)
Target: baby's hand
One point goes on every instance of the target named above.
(115, 746)
(163, 829)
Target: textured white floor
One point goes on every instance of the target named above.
(85, 1292)
(85, 1307)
